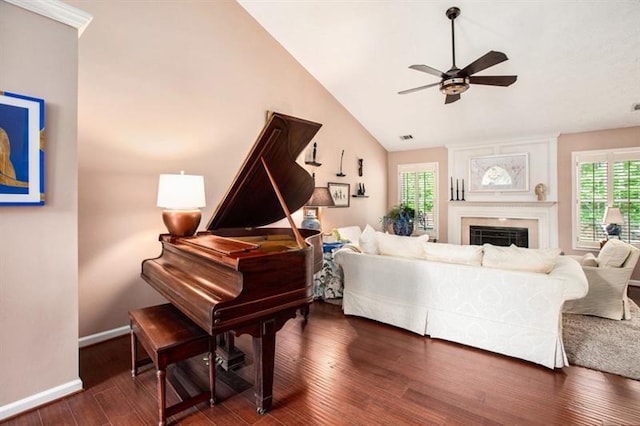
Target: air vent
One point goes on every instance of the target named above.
(635, 107)
(406, 137)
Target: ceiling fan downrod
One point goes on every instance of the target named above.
(452, 13)
(454, 85)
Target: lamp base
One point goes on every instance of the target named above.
(612, 230)
(310, 222)
(181, 223)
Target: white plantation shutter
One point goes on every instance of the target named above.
(626, 196)
(606, 178)
(417, 188)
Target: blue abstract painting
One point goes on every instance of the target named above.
(21, 150)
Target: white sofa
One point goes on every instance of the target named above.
(473, 301)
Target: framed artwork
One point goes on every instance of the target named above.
(340, 193)
(21, 150)
(499, 173)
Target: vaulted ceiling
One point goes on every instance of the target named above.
(577, 62)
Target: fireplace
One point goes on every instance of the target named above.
(499, 235)
(540, 218)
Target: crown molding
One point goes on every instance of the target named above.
(58, 11)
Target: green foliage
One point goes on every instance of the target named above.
(399, 210)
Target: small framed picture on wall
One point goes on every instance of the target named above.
(340, 193)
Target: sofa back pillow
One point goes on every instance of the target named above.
(349, 234)
(397, 245)
(613, 254)
(368, 241)
(519, 259)
(453, 253)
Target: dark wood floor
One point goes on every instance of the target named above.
(337, 370)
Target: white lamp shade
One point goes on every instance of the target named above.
(613, 215)
(181, 192)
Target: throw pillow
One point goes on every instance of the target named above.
(453, 253)
(519, 259)
(589, 260)
(368, 241)
(397, 245)
(349, 233)
(613, 254)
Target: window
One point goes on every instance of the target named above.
(601, 179)
(417, 188)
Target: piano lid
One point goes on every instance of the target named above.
(251, 200)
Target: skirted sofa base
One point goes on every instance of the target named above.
(515, 313)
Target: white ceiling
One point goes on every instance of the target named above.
(577, 62)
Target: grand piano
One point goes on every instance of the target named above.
(240, 277)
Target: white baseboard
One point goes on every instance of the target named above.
(634, 283)
(105, 335)
(39, 399)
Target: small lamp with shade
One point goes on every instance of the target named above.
(181, 196)
(612, 222)
(321, 197)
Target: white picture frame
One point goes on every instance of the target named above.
(499, 173)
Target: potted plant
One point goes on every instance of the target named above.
(401, 218)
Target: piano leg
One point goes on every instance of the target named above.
(264, 348)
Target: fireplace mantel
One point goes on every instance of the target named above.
(544, 212)
(504, 203)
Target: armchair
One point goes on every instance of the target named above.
(607, 296)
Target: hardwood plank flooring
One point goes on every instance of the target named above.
(340, 370)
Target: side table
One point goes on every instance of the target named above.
(328, 283)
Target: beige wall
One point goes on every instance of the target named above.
(572, 142)
(170, 86)
(430, 155)
(38, 248)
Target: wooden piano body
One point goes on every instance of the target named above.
(239, 276)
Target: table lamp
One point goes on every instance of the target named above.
(321, 197)
(181, 196)
(612, 222)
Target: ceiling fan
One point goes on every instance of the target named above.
(456, 81)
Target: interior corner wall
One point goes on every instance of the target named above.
(38, 244)
(186, 86)
(569, 143)
(428, 155)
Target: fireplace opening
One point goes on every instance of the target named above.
(498, 236)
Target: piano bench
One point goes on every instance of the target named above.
(169, 337)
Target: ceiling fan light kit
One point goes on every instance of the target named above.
(454, 86)
(457, 81)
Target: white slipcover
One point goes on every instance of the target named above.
(509, 312)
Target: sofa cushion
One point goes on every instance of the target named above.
(589, 260)
(397, 245)
(453, 253)
(613, 254)
(349, 233)
(519, 259)
(368, 241)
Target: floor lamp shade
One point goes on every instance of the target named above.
(181, 196)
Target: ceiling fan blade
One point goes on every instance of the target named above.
(490, 59)
(428, 70)
(415, 89)
(494, 80)
(451, 99)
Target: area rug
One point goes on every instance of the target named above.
(604, 344)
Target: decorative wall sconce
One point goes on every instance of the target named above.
(341, 158)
